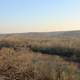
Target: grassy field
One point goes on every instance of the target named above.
(39, 58)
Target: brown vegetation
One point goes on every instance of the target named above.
(39, 59)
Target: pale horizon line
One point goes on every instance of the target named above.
(37, 31)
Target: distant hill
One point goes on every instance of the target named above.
(54, 34)
(46, 34)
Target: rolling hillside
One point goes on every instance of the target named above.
(46, 34)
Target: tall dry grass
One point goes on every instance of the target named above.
(19, 62)
(25, 65)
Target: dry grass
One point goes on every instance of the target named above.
(32, 66)
(19, 62)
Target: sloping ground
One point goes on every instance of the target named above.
(28, 58)
(68, 48)
(44, 34)
(52, 34)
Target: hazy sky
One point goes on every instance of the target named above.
(39, 15)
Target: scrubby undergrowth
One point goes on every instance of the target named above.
(35, 59)
(27, 65)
